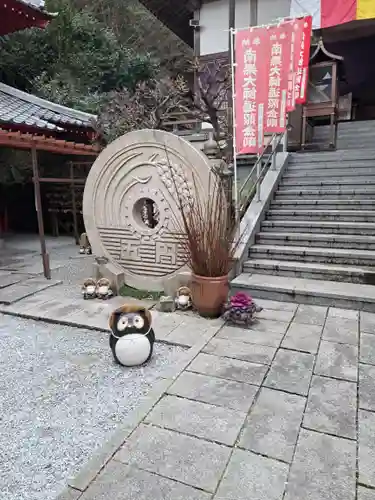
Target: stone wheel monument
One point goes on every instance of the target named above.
(130, 204)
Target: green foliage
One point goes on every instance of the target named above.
(74, 61)
(127, 291)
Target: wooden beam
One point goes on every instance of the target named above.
(18, 140)
(74, 204)
(60, 180)
(39, 213)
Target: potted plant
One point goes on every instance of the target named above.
(209, 235)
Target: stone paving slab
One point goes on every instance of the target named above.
(190, 331)
(334, 312)
(341, 330)
(337, 361)
(304, 338)
(365, 493)
(324, 468)
(273, 424)
(268, 338)
(269, 326)
(187, 459)
(276, 306)
(367, 387)
(278, 315)
(366, 449)
(202, 420)
(69, 494)
(367, 322)
(332, 407)
(310, 315)
(254, 477)
(217, 391)
(291, 372)
(367, 349)
(227, 368)
(7, 278)
(17, 292)
(128, 483)
(241, 350)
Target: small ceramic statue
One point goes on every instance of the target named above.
(132, 338)
(89, 289)
(84, 245)
(240, 309)
(183, 298)
(103, 289)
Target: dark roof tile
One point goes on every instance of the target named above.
(19, 107)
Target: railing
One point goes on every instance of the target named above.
(259, 170)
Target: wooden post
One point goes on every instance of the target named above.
(39, 213)
(74, 204)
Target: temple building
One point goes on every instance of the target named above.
(347, 33)
(38, 126)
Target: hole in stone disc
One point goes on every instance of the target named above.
(146, 212)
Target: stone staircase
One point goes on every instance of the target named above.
(317, 242)
(351, 135)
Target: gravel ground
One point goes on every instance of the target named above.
(61, 397)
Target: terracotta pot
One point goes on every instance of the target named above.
(209, 294)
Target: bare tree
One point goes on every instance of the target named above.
(201, 93)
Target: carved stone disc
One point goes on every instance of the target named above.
(130, 179)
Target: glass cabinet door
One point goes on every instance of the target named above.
(320, 85)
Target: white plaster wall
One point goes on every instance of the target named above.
(271, 10)
(214, 20)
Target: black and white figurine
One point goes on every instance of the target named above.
(132, 338)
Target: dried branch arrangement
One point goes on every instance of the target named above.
(208, 228)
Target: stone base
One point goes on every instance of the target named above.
(2, 243)
(112, 273)
(171, 285)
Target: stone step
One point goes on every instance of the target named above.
(322, 173)
(354, 146)
(319, 204)
(309, 240)
(355, 183)
(324, 215)
(343, 135)
(330, 193)
(307, 291)
(328, 156)
(344, 164)
(314, 254)
(347, 274)
(303, 226)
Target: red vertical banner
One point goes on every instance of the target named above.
(278, 75)
(303, 28)
(250, 89)
(291, 95)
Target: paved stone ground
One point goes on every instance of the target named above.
(282, 411)
(21, 269)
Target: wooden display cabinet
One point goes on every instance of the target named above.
(322, 93)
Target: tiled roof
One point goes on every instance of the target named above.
(20, 108)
